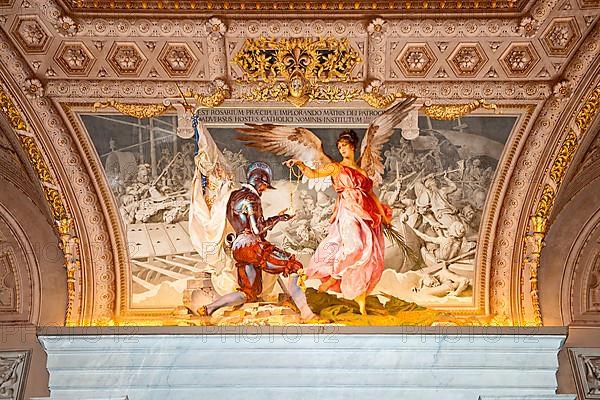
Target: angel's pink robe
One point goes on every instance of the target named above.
(352, 252)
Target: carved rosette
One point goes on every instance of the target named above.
(177, 59)
(416, 60)
(74, 58)
(31, 34)
(126, 59)
(467, 59)
(560, 36)
(519, 59)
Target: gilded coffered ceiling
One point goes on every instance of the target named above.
(128, 55)
(537, 60)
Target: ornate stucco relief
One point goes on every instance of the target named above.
(14, 366)
(511, 220)
(53, 124)
(585, 363)
(452, 61)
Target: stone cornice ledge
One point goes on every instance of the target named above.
(51, 331)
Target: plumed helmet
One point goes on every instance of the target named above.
(259, 172)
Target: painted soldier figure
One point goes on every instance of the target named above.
(250, 249)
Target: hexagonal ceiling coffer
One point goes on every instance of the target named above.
(74, 58)
(126, 58)
(31, 34)
(177, 59)
(561, 36)
(519, 59)
(467, 59)
(416, 59)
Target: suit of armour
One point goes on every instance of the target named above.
(251, 251)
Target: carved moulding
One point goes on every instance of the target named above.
(62, 218)
(70, 90)
(220, 93)
(538, 222)
(299, 6)
(90, 302)
(509, 290)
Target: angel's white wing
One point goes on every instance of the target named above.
(378, 133)
(299, 143)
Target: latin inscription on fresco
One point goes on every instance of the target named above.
(324, 116)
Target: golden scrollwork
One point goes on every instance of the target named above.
(215, 99)
(55, 202)
(138, 110)
(447, 112)
(589, 110)
(378, 100)
(11, 112)
(534, 242)
(36, 158)
(276, 92)
(545, 204)
(318, 59)
(538, 221)
(134, 110)
(53, 197)
(304, 64)
(327, 93)
(564, 157)
(69, 244)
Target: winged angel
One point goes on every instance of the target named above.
(350, 259)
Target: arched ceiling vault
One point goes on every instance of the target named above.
(569, 279)
(538, 60)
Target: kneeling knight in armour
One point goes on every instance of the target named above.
(251, 250)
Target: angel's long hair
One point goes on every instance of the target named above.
(348, 136)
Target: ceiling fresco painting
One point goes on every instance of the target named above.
(436, 184)
(141, 122)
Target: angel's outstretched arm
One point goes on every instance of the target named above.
(330, 169)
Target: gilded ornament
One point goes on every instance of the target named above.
(215, 99)
(135, 110)
(538, 221)
(589, 110)
(564, 157)
(308, 93)
(311, 6)
(11, 112)
(377, 100)
(55, 202)
(277, 92)
(545, 204)
(318, 59)
(534, 243)
(447, 112)
(305, 92)
(64, 226)
(36, 158)
(64, 223)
